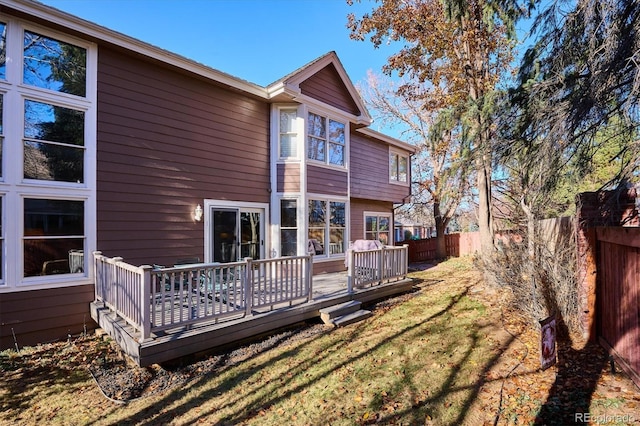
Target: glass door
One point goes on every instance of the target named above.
(237, 233)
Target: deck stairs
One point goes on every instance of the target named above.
(344, 313)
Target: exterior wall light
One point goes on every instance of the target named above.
(197, 213)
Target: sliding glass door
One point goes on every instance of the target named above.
(237, 233)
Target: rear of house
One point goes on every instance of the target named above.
(114, 145)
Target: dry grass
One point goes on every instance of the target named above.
(433, 358)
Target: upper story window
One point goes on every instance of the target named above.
(53, 142)
(398, 167)
(55, 65)
(325, 140)
(3, 51)
(288, 135)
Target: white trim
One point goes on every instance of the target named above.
(379, 214)
(93, 30)
(400, 154)
(15, 188)
(388, 139)
(210, 203)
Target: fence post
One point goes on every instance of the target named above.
(114, 274)
(248, 285)
(145, 303)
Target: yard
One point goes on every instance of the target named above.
(449, 353)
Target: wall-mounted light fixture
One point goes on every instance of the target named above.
(197, 213)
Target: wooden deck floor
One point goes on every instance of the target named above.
(171, 344)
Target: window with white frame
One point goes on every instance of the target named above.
(327, 227)
(288, 227)
(398, 167)
(326, 140)
(47, 129)
(378, 227)
(288, 133)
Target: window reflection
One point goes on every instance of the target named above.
(1, 134)
(53, 64)
(3, 51)
(53, 237)
(56, 151)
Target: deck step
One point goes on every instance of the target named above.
(351, 318)
(328, 314)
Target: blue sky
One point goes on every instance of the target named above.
(256, 40)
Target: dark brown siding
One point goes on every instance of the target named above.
(288, 177)
(323, 180)
(39, 316)
(370, 171)
(358, 207)
(166, 141)
(327, 86)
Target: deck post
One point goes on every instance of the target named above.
(381, 268)
(309, 277)
(405, 260)
(350, 269)
(115, 280)
(248, 285)
(98, 276)
(145, 303)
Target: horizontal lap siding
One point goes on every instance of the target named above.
(39, 316)
(327, 86)
(358, 207)
(167, 141)
(370, 171)
(323, 180)
(289, 177)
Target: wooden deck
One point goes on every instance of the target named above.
(174, 343)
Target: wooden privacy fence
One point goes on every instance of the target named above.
(618, 295)
(459, 244)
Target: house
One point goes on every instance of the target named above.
(111, 144)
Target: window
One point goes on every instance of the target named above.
(377, 227)
(327, 237)
(52, 64)
(288, 227)
(3, 51)
(53, 237)
(288, 133)
(48, 131)
(398, 167)
(325, 140)
(53, 142)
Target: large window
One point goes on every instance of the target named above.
(326, 140)
(327, 225)
(53, 237)
(47, 156)
(378, 227)
(398, 167)
(288, 227)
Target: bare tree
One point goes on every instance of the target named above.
(441, 165)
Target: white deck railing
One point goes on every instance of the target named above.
(375, 267)
(156, 299)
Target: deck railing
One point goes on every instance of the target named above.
(375, 267)
(153, 299)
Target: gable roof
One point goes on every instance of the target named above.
(287, 88)
(290, 87)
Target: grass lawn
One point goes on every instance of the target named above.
(446, 355)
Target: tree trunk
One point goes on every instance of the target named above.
(441, 244)
(485, 217)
